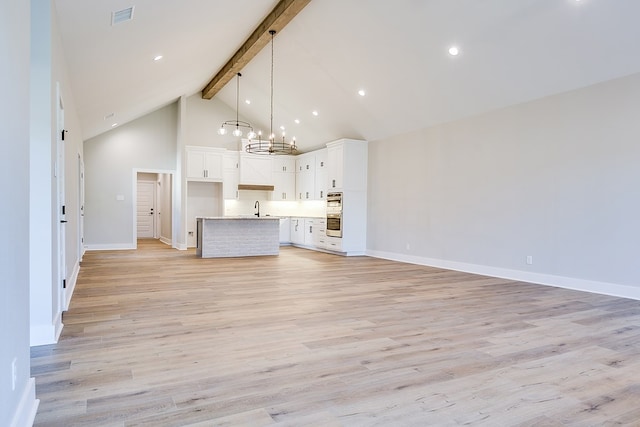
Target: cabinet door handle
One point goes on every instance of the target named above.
(333, 182)
(310, 229)
(321, 194)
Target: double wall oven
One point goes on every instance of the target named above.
(334, 214)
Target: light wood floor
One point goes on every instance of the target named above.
(158, 337)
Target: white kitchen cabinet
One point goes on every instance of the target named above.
(308, 232)
(320, 233)
(333, 244)
(230, 175)
(305, 176)
(321, 174)
(347, 165)
(204, 164)
(255, 169)
(347, 173)
(297, 231)
(285, 231)
(283, 164)
(284, 178)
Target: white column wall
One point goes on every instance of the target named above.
(17, 398)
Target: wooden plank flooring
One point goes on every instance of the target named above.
(158, 337)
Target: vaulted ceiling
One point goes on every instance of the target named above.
(511, 51)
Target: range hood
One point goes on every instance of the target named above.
(255, 187)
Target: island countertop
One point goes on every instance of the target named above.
(237, 236)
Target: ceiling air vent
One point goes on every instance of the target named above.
(121, 15)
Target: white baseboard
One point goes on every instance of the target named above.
(71, 286)
(165, 240)
(25, 414)
(58, 326)
(181, 246)
(603, 288)
(110, 247)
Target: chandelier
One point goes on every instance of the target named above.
(272, 145)
(237, 124)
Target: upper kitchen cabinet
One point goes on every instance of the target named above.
(305, 176)
(284, 178)
(204, 163)
(321, 174)
(347, 165)
(230, 175)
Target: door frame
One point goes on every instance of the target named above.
(81, 247)
(134, 201)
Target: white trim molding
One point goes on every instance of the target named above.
(71, 285)
(576, 284)
(25, 414)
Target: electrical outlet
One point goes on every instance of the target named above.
(14, 374)
(529, 259)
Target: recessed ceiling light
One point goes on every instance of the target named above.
(281, 127)
(297, 121)
(361, 92)
(454, 51)
(114, 125)
(157, 57)
(315, 113)
(247, 101)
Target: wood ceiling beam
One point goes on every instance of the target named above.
(277, 19)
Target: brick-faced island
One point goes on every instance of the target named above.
(219, 237)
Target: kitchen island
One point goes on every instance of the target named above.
(219, 237)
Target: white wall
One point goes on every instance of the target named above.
(203, 199)
(148, 143)
(203, 119)
(17, 404)
(555, 179)
(49, 77)
(45, 310)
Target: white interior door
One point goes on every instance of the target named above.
(146, 207)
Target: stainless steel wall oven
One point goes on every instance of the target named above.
(334, 214)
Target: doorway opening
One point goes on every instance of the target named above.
(153, 206)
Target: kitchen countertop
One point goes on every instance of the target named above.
(236, 217)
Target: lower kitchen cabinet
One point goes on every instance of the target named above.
(311, 233)
(297, 231)
(285, 231)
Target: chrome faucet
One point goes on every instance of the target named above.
(257, 206)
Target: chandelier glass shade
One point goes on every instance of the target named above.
(237, 124)
(272, 145)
